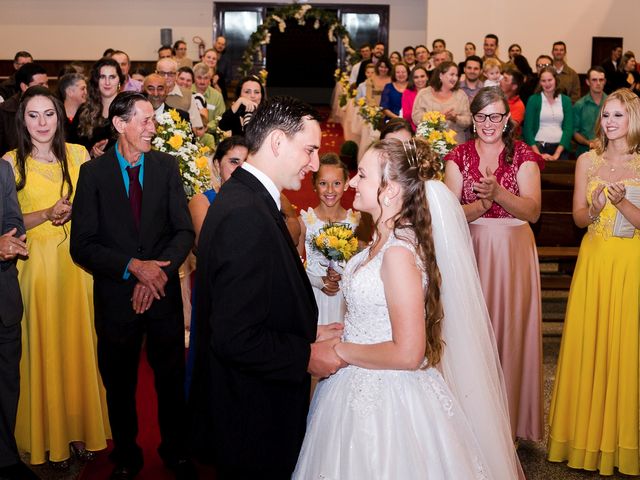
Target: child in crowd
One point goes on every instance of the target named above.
(330, 183)
(492, 70)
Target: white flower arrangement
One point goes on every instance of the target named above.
(174, 136)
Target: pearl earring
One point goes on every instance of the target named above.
(504, 129)
(474, 128)
(386, 201)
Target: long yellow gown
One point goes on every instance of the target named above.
(62, 398)
(594, 409)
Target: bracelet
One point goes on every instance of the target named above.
(592, 217)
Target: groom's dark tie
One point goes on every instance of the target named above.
(135, 194)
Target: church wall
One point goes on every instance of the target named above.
(82, 29)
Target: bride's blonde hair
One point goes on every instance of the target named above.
(410, 164)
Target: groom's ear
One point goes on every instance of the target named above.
(276, 137)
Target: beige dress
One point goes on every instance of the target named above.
(426, 101)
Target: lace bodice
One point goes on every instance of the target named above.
(467, 159)
(316, 262)
(42, 188)
(367, 319)
(603, 226)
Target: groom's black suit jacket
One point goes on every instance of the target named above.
(256, 319)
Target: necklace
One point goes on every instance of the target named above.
(48, 158)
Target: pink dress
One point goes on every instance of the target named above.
(510, 276)
(408, 97)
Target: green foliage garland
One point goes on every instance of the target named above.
(302, 14)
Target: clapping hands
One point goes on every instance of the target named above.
(616, 193)
(487, 189)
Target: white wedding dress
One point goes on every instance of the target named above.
(404, 425)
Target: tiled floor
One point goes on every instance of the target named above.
(531, 454)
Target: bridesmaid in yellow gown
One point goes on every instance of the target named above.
(62, 407)
(594, 410)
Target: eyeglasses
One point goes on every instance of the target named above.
(493, 117)
(542, 65)
(166, 74)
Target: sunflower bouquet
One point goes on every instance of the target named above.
(435, 130)
(372, 114)
(337, 242)
(174, 136)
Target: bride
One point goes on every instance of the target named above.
(423, 394)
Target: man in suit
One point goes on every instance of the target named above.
(256, 313)
(155, 86)
(12, 244)
(132, 230)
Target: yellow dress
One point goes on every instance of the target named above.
(62, 398)
(594, 409)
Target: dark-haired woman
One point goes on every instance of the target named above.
(391, 101)
(497, 180)
(548, 119)
(94, 130)
(62, 404)
(418, 80)
(249, 94)
(444, 95)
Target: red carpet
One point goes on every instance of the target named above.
(149, 432)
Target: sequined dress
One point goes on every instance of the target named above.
(594, 414)
(384, 424)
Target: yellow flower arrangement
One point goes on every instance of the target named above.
(174, 136)
(436, 131)
(347, 93)
(175, 141)
(372, 114)
(336, 241)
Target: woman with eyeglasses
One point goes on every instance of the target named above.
(497, 180)
(548, 118)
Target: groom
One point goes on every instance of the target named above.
(256, 311)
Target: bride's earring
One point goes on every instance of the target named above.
(386, 202)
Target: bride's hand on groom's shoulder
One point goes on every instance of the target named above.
(323, 360)
(326, 332)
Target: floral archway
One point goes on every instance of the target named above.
(302, 14)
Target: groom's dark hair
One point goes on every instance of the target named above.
(281, 113)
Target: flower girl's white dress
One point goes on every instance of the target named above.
(330, 308)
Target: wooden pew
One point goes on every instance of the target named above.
(557, 236)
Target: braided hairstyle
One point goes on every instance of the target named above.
(410, 164)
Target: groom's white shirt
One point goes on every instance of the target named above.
(264, 179)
